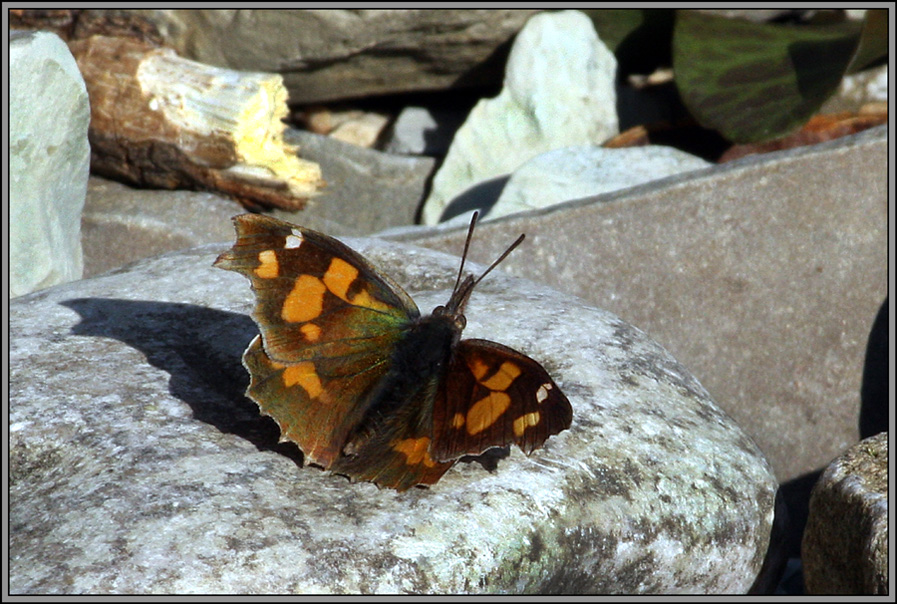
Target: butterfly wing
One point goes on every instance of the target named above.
(395, 451)
(494, 396)
(328, 322)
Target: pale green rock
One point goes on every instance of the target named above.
(49, 161)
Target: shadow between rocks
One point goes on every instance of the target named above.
(482, 197)
(875, 408)
(201, 350)
(794, 495)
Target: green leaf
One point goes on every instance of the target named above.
(754, 82)
(640, 39)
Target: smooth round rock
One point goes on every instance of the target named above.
(586, 170)
(137, 464)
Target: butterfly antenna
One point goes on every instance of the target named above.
(473, 222)
(502, 257)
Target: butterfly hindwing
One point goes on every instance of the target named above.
(313, 409)
(328, 322)
(394, 451)
(494, 396)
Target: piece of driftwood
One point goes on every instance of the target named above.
(163, 121)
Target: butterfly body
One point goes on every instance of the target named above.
(360, 381)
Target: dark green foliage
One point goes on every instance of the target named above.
(749, 81)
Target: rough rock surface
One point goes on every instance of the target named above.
(137, 466)
(845, 546)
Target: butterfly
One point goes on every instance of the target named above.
(365, 385)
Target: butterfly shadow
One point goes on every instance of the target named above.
(200, 349)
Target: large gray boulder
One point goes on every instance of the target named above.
(137, 465)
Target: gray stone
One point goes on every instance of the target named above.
(423, 131)
(845, 546)
(763, 276)
(327, 55)
(583, 171)
(558, 91)
(121, 224)
(49, 159)
(366, 191)
(137, 465)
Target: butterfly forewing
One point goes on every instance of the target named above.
(495, 396)
(303, 281)
(328, 322)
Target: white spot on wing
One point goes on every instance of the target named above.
(542, 392)
(294, 240)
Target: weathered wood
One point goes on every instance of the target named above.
(160, 120)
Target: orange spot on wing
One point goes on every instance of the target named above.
(305, 301)
(339, 278)
(305, 375)
(415, 450)
(503, 378)
(311, 332)
(486, 411)
(458, 420)
(525, 421)
(478, 368)
(364, 299)
(268, 267)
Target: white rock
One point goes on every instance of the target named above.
(558, 91)
(49, 161)
(137, 465)
(584, 171)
